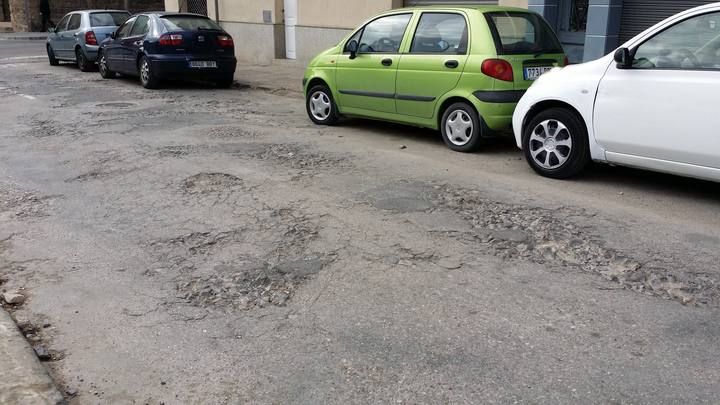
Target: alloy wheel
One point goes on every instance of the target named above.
(320, 106)
(459, 127)
(145, 71)
(550, 144)
(102, 65)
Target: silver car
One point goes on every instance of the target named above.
(77, 36)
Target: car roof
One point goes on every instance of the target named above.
(99, 11)
(481, 8)
(171, 13)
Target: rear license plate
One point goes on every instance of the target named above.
(203, 64)
(532, 73)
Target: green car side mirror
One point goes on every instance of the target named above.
(352, 47)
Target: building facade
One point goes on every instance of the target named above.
(266, 30)
(590, 29)
(25, 14)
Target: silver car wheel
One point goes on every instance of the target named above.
(459, 127)
(320, 106)
(550, 144)
(145, 71)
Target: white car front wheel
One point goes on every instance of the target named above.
(555, 143)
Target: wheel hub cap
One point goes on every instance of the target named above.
(459, 127)
(550, 144)
(320, 106)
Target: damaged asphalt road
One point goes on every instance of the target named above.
(192, 245)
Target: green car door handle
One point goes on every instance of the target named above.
(386, 62)
(452, 64)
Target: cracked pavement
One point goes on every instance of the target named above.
(192, 245)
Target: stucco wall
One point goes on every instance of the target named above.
(514, 3)
(340, 14)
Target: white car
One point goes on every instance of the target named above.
(653, 104)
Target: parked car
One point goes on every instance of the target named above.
(651, 104)
(77, 35)
(157, 46)
(457, 69)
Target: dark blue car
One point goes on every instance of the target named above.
(157, 46)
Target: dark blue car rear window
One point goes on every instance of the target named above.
(189, 23)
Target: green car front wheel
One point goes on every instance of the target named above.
(321, 107)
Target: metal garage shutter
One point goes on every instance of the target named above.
(409, 3)
(638, 15)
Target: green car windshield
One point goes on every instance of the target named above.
(518, 33)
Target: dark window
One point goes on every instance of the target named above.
(355, 37)
(108, 19)
(518, 33)
(189, 23)
(691, 44)
(62, 24)
(74, 22)
(124, 30)
(141, 26)
(384, 35)
(440, 33)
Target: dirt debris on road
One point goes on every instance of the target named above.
(187, 245)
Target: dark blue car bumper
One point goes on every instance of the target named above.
(178, 66)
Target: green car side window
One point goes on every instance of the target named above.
(384, 35)
(445, 33)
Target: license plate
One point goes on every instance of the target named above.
(203, 64)
(532, 73)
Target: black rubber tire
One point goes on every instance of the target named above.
(225, 83)
(83, 64)
(105, 72)
(51, 56)
(579, 156)
(333, 116)
(477, 127)
(151, 81)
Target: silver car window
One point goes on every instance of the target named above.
(74, 23)
(62, 24)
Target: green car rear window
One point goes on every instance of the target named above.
(518, 33)
(108, 19)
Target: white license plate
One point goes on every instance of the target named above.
(532, 73)
(203, 64)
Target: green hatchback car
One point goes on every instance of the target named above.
(457, 69)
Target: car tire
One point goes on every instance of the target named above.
(321, 107)
(103, 68)
(83, 64)
(555, 143)
(461, 127)
(51, 56)
(148, 79)
(225, 83)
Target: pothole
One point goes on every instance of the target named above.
(549, 237)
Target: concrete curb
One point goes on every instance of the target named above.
(23, 380)
(22, 38)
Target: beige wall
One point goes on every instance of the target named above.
(171, 5)
(514, 3)
(250, 11)
(340, 13)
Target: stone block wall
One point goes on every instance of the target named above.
(61, 7)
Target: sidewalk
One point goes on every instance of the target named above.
(281, 76)
(23, 380)
(23, 36)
